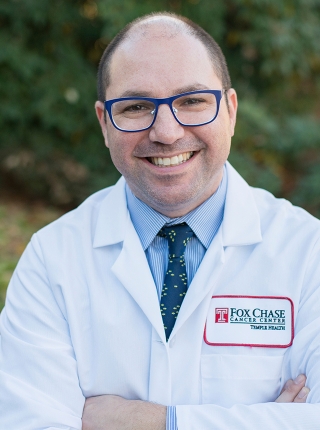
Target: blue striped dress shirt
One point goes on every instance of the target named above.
(205, 221)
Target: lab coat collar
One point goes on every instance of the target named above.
(113, 217)
(241, 221)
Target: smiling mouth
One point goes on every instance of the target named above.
(172, 161)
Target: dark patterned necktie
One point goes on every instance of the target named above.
(175, 282)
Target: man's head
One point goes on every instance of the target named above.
(160, 56)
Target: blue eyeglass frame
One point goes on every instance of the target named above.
(165, 101)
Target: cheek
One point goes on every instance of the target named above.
(217, 140)
(121, 154)
(115, 144)
(118, 156)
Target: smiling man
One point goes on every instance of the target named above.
(144, 66)
(181, 298)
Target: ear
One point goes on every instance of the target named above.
(233, 107)
(101, 115)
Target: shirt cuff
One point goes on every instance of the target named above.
(171, 420)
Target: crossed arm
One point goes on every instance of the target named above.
(116, 413)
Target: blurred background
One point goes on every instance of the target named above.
(52, 155)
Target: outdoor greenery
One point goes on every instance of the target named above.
(51, 148)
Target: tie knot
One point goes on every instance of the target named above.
(178, 236)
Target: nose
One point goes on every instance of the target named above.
(166, 128)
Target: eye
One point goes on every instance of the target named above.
(193, 101)
(135, 108)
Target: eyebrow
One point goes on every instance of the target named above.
(130, 93)
(186, 89)
(193, 87)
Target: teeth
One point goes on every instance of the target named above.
(173, 161)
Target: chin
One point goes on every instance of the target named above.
(168, 203)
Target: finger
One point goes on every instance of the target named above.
(302, 395)
(291, 389)
(289, 381)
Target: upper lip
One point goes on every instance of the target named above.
(158, 150)
(168, 155)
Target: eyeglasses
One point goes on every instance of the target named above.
(190, 109)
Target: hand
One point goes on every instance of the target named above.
(294, 391)
(110, 412)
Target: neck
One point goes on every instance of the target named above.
(178, 209)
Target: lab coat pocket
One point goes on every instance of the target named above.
(244, 379)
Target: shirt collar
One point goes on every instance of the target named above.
(204, 220)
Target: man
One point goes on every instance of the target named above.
(234, 271)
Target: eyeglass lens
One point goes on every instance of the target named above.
(192, 109)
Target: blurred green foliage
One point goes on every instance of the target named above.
(51, 146)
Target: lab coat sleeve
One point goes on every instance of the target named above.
(302, 357)
(39, 384)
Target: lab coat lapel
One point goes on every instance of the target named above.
(132, 270)
(241, 220)
(131, 266)
(240, 227)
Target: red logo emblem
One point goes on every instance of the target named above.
(222, 315)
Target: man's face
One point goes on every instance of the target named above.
(157, 65)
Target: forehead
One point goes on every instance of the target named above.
(160, 62)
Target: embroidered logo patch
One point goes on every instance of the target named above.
(260, 321)
(222, 315)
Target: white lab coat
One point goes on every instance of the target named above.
(82, 319)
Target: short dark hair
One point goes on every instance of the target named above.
(214, 50)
